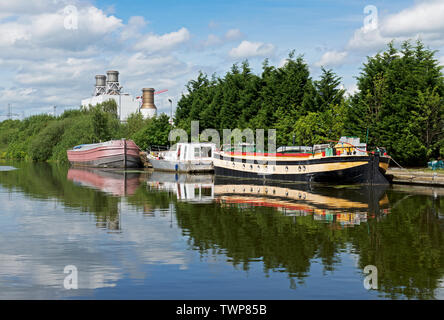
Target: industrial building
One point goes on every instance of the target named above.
(108, 87)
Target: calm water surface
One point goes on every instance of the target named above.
(144, 235)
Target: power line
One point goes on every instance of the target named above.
(9, 113)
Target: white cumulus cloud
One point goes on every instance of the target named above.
(247, 49)
(424, 20)
(44, 63)
(332, 58)
(233, 34)
(424, 17)
(154, 43)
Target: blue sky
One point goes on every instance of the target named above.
(163, 44)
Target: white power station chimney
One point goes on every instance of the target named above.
(100, 87)
(112, 83)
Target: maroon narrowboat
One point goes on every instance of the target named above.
(111, 154)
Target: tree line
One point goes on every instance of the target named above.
(398, 103)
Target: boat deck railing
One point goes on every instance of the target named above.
(157, 148)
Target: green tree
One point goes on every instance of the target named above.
(154, 133)
(400, 103)
(328, 91)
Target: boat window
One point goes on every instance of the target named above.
(294, 149)
(320, 147)
(206, 152)
(185, 153)
(197, 152)
(206, 191)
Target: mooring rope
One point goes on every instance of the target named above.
(398, 164)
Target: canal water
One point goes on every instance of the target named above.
(151, 235)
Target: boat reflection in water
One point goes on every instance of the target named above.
(187, 187)
(285, 227)
(346, 206)
(113, 182)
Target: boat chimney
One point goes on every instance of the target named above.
(148, 108)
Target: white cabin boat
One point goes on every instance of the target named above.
(185, 157)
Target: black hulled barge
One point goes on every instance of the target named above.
(346, 161)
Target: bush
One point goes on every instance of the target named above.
(71, 113)
(155, 132)
(42, 145)
(26, 130)
(79, 132)
(134, 123)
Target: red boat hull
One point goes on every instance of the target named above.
(110, 154)
(116, 183)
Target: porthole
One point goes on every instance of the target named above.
(304, 168)
(286, 169)
(300, 168)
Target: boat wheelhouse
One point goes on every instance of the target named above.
(185, 157)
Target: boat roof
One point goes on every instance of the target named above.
(205, 144)
(291, 148)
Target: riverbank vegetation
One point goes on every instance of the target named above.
(45, 137)
(399, 105)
